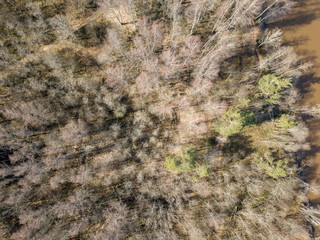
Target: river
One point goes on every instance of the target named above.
(301, 29)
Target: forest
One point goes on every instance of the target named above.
(151, 120)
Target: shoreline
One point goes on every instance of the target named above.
(301, 31)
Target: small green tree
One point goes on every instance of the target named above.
(184, 162)
(243, 102)
(271, 86)
(274, 168)
(202, 171)
(285, 122)
(187, 161)
(120, 112)
(233, 121)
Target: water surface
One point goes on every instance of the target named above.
(302, 31)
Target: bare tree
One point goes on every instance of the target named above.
(244, 12)
(151, 65)
(139, 52)
(310, 110)
(171, 64)
(116, 78)
(196, 11)
(284, 61)
(73, 132)
(174, 10)
(24, 152)
(271, 39)
(223, 9)
(208, 64)
(276, 9)
(190, 49)
(122, 10)
(114, 7)
(146, 82)
(62, 28)
(58, 179)
(191, 124)
(215, 108)
(115, 223)
(152, 34)
(31, 113)
(162, 109)
(115, 40)
(201, 86)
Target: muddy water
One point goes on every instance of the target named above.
(302, 31)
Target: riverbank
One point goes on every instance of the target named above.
(301, 30)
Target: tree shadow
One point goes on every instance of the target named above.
(305, 82)
(239, 146)
(303, 13)
(315, 201)
(293, 20)
(296, 41)
(311, 173)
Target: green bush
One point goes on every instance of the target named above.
(120, 112)
(243, 102)
(230, 123)
(184, 162)
(285, 122)
(233, 121)
(274, 168)
(271, 86)
(202, 171)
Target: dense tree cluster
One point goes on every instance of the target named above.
(134, 119)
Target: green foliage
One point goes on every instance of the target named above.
(120, 112)
(285, 122)
(274, 168)
(230, 123)
(202, 171)
(271, 86)
(101, 127)
(184, 162)
(249, 118)
(243, 102)
(233, 121)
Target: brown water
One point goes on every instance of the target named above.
(302, 30)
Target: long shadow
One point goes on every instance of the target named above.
(296, 41)
(304, 13)
(293, 20)
(239, 144)
(305, 82)
(312, 172)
